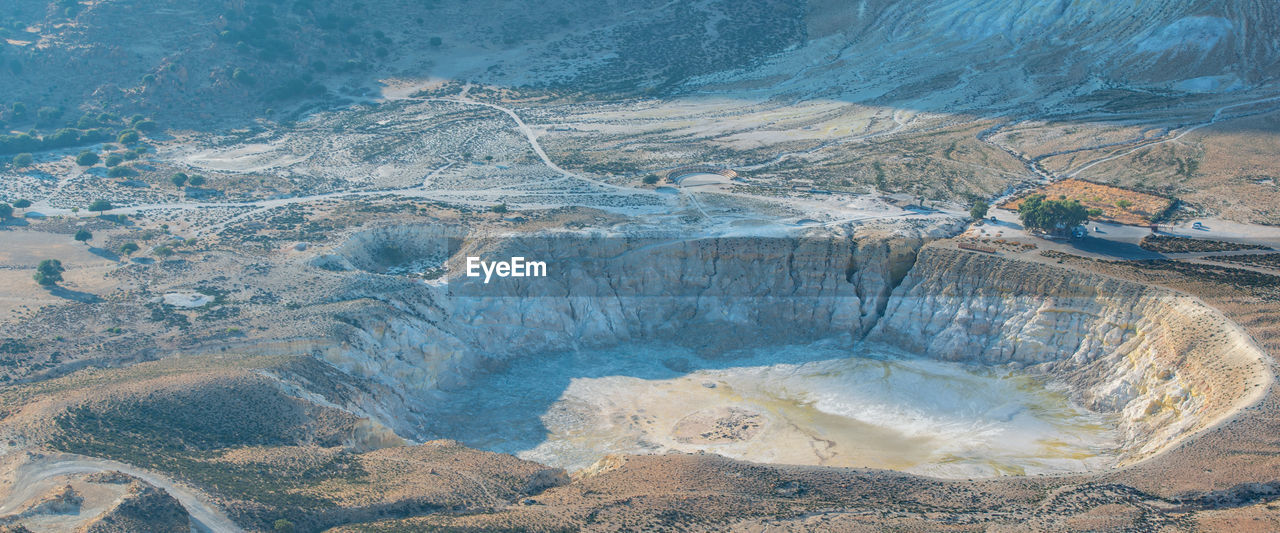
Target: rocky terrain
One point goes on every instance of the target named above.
(262, 213)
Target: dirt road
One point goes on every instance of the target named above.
(204, 515)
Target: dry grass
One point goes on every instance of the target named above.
(1119, 205)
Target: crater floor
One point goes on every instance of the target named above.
(826, 405)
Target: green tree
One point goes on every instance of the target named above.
(87, 159)
(651, 179)
(179, 179)
(22, 203)
(128, 137)
(6, 210)
(282, 526)
(1052, 216)
(196, 180)
(163, 251)
(100, 206)
(129, 248)
(979, 210)
(1123, 204)
(22, 160)
(49, 272)
(500, 208)
(84, 235)
(113, 160)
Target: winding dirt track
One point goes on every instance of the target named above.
(1217, 117)
(204, 515)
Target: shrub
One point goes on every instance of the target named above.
(95, 135)
(113, 160)
(48, 115)
(21, 142)
(242, 77)
(100, 205)
(128, 248)
(651, 179)
(63, 138)
(87, 159)
(196, 180)
(146, 125)
(22, 160)
(128, 137)
(178, 179)
(6, 211)
(121, 172)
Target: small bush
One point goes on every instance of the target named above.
(121, 172)
(242, 77)
(87, 159)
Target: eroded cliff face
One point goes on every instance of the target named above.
(1163, 364)
(711, 294)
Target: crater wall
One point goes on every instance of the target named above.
(1163, 364)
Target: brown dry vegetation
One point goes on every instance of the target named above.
(1172, 244)
(1227, 170)
(223, 424)
(1117, 205)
